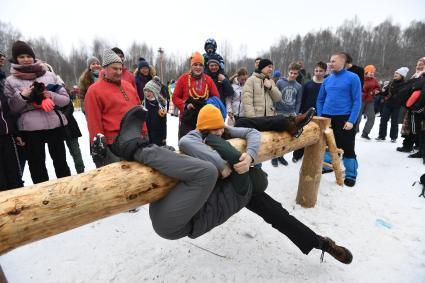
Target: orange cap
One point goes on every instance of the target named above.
(196, 58)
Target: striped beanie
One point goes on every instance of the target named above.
(110, 57)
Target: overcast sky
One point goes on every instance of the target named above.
(181, 27)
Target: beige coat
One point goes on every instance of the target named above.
(257, 101)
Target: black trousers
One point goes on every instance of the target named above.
(277, 123)
(387, 113)
(344, 139)
(10, 173)
(273, 213)
(35, 146)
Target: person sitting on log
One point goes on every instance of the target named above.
(202, 200)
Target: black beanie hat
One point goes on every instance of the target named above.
(118, 51)
(19, 48)
(264, 63)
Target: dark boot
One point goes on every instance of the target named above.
(404, 149)
(416, 155)
(340, 253)
(296, 124)
(130, 137)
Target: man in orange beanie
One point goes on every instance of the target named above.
(199, 203)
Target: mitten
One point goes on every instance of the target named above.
(47, 105)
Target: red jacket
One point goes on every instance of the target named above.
(126, 75)
(371, 85)
(181, 90)
(105, 106)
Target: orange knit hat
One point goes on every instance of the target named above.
(209, 118)
(369, 69)
(196, 58)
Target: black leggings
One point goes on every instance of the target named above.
(277, 123)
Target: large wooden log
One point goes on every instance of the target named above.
(55, 206)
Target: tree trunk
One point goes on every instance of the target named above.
(55, 206)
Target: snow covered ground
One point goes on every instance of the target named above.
(124, 248)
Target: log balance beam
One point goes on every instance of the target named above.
(49, 208)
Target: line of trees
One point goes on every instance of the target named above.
(387, 46)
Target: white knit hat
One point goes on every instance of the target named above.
(154, 85)
(402, 71)
(110, 57)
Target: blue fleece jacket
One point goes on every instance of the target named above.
(340, 94)
(291, 97)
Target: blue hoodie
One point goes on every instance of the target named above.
(291, 97)
(340, 94)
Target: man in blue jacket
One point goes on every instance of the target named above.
(340, 99)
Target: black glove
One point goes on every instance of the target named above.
(36, 94)
(98, 148)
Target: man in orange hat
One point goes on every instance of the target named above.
(199, 203)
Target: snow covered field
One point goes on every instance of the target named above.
(124, 248)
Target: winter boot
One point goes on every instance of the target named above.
(274, 162)
(416, 155)
(327, 159)
(404, 149)
(130, 137)
(296, 124)
(351, 166)
(365, 136)
(340, 253)
(282, 161)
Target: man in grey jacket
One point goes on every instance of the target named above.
(200, 202)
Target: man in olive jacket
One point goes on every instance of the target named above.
(260, 91)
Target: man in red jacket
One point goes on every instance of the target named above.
(126, 75)
(191, 93)
(107, 100)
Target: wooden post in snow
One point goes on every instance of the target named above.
(333, 150)
(46, 209)
(311, 168)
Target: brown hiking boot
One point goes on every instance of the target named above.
(296, 124)
(338, 252)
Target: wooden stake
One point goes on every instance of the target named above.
(336, 161)
(311, 168)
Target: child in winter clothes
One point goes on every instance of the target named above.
(156, 119)
(210, 47)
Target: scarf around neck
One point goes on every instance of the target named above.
(28, 72)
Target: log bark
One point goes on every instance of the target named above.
(56, 206)
(311, 169)
(336, 161)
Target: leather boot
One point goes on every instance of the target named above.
(296, 124)
(130, 137)
(340, 253)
